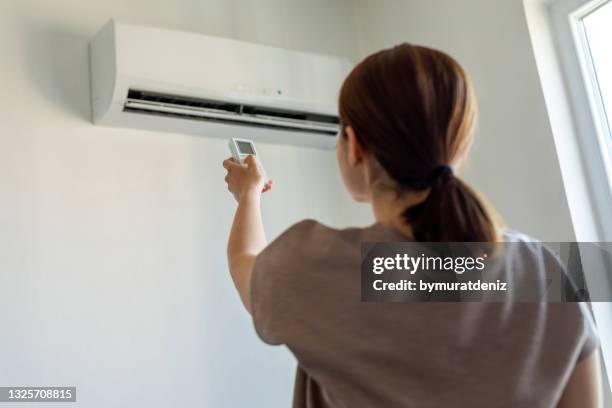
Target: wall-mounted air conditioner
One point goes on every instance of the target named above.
(183, 82)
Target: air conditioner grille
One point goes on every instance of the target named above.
(181, 101)
(205, 109)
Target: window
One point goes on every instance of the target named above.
(597, 26)
(580, 103)
(594, 32)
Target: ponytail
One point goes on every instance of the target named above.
(452, 212)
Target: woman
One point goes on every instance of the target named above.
(407, 118)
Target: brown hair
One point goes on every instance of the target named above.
(414, 109)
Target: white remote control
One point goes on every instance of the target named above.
(241, 148)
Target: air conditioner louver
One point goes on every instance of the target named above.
(153, 103)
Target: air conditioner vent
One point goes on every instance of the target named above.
(181, 101)
(139, 101)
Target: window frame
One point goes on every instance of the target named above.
(586, 104)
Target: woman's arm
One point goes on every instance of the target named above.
(247, 237)
(583, 389)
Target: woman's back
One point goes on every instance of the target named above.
(306, 293)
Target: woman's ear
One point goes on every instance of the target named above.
(355, 150)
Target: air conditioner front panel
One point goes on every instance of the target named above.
(125, 57)
(223, 65)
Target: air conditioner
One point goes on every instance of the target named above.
(182, 82)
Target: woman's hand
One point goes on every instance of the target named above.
(245, 180)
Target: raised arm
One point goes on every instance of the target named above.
(247, 237)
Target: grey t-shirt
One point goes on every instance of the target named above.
(306, 294)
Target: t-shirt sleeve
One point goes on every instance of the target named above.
(591, 339)
(275, 285)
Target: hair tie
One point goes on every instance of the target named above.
(440, 171)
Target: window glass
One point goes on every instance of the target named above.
(598, 29)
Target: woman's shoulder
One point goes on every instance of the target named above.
(310, 231)
(310, 234)
(302, 231)
(524, 246)
(296, 239)
(312, 225)
(306, 226)
(511, 235)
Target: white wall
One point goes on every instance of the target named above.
(514, 161)
(113, 275)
